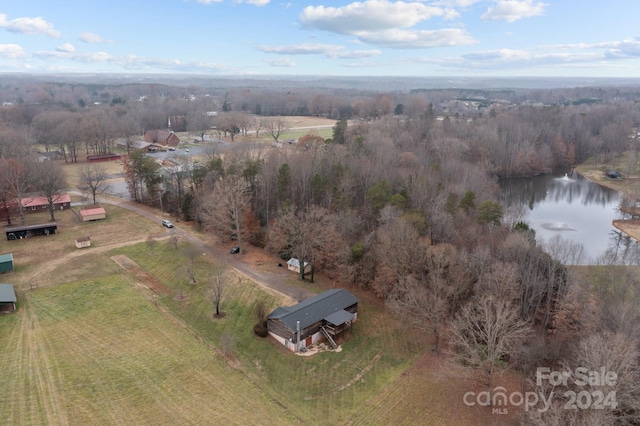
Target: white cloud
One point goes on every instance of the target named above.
(508, 58)
(385, 23)
(28, 26)
(11, 51)
(89, 37)
(280, 62)
(355, 54)
(208, 1)
(254, 2)
(370, 15)
(513, 10)
(408, 39)
(328, 50)
(301, 49)
(66, 47)
(455, 3)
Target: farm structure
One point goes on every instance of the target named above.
(83, 242)
(293, 264)
(93, 213)
(7, 298)
(20, 232)
(6, 263)
(324, 316)
(162, 137)
(102, 157)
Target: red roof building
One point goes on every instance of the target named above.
(162, 137)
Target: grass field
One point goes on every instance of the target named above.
(95, 352)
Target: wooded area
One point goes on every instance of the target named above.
(401, 201)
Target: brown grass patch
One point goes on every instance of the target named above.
(149, 281)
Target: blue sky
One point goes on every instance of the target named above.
(480, 38)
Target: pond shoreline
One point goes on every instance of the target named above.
(630, 227)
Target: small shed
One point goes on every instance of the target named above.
(83, 242)
(94, 213)
(293, 264)
(324, 316)
(7, 298)
(6, 263)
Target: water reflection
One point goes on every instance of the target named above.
(570, 208)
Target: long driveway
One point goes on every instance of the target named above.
(275, 279)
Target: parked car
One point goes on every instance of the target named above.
(235, 250)
(167, 223)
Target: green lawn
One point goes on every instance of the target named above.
(96, 352)
(328, 388)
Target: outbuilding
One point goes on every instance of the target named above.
(6, 263)
(293, 264)
(93, 213)
(7, 298)
(324, 316)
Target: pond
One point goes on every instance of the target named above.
(568, 213)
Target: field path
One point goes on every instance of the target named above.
(43, 370)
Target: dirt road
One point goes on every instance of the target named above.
(270, 276)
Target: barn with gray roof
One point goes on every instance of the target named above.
(7, 298)
(324, 316)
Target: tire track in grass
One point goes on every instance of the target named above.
(43, 371)
(18, 408)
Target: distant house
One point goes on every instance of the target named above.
(324, 316)
(7, 298)
(94, 213)
(293, 264)
(6, 263)
(161, 137)
(38, 203)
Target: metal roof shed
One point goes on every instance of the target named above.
(6, 263)
(7, 298)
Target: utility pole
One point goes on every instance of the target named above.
(298, 336)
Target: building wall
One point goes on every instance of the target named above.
(91, 217)
(6, 266)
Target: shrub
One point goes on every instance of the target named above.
(260, 330)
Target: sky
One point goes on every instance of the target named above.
(440, 38)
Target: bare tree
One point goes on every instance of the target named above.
(486, 332)
(189, 271)
(275, 127)
(301, 235)
(93, 179)
(218, 281)
(151, 244)
(223, 209)
(18, 181)
(199, 122)
(49, 180)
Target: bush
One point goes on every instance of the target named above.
(260, 330)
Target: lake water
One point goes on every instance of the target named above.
(574, 208)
